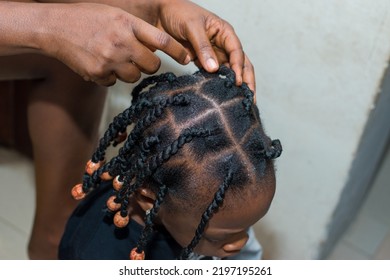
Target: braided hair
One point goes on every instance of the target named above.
(183, 129)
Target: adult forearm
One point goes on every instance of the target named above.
(99, 42)
(20, 27)
(23, 21)
(144, 9)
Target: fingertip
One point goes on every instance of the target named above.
(211, 65)
(184, 60)
(238, 80)
(251, 86)
(187, 59)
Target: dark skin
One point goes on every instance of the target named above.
(120, 43)
(226, 232)
(72, 55)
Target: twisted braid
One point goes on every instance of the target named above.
(150, 117)
(119, 124)
(149, 218)
(144, 170)
(118, 164)
(157, 80)
(206, 216)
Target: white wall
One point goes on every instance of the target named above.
(319, 66)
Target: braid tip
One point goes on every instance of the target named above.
(134, 255)
(77, 192)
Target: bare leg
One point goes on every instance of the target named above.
(63, 117)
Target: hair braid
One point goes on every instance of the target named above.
(144, 170)
(132, 170)
(248, 94)
(149, 218)
(186, 137)
(165, 77)
(119, 124)
(150, 117)
(206, 216)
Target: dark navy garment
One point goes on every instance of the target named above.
(91, 235)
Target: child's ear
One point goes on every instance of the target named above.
(145, 198)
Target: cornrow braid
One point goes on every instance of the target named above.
(200, 124)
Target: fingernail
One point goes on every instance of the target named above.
(211, 64)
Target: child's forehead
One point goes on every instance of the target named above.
(200, 192)
(238, 211)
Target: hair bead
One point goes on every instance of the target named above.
(112, 205)
(117, 184)
(77, 192)
(106, 176)
(91, 166)
(120, 221)
(134, 255)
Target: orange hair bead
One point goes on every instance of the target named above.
(134, 255)
(106, 176)
(117, 185)
(91, 166)
(77, 192)
(120, 221)
(112, 205)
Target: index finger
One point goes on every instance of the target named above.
(228, 41)
(155, 38)
(200, 42)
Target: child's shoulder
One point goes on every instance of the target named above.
(91, 234)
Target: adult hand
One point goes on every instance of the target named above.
(209, 39)
(102, 43)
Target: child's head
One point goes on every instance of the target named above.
(196, 160)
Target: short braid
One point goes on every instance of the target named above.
(274, 151)
(249, 97)
(185, 137)
(165, 77)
